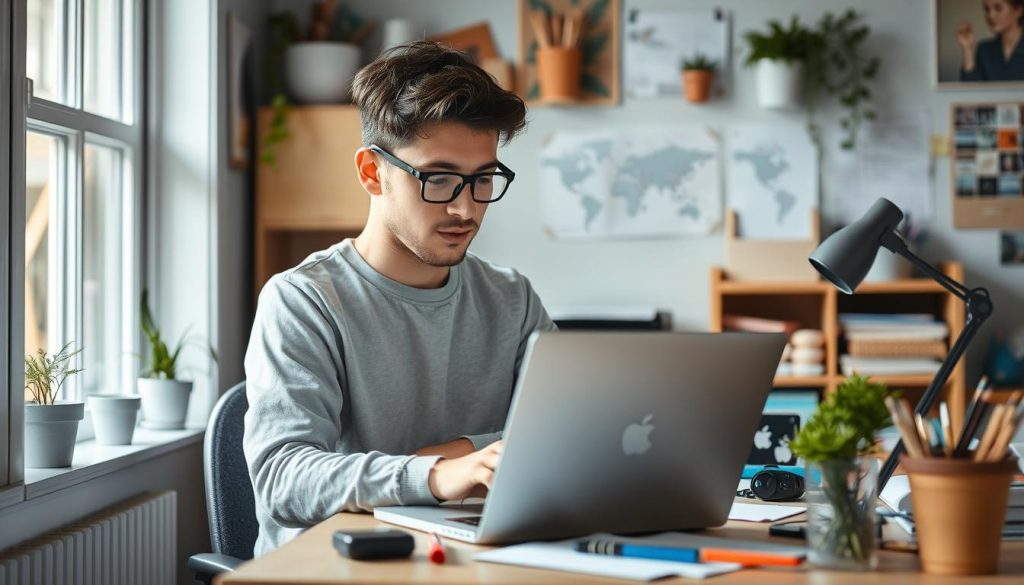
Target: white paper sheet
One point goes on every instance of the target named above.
(762, 512)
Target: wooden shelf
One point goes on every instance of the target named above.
(739, 287)
(801, 381)
(907, 285)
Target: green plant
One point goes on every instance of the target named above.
(162, 361)
(833, 55)
(842, 428)
(792, 44)
(44, 375)
(699, 62)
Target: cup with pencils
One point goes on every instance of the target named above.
(559, 56)
(960, 481)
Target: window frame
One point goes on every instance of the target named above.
(79, 127)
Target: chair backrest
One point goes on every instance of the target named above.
(229, 497)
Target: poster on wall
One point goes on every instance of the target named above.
(773, 181)
(1011, 248)
(987, 165)
(978, 44)
(637, 183)
(655, 43)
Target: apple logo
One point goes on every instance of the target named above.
(783, 454)
(636, 438)
(763, 438)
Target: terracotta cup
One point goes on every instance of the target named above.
(558, 72)
(959, 511)
(697, 83)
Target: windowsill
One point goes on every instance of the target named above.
(92, 460)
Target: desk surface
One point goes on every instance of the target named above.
(311, 558)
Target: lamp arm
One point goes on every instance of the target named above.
(979, 307)
(894, 242)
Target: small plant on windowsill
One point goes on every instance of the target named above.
(698, 73)
(164, 396)
(50, 425)
(842, 475)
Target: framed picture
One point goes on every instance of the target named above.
(238, 40)
(987, 166)
(968, 49)
(1011, 248)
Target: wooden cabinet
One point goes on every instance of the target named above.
(312, 197)
(817, 304)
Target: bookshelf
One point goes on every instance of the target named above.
(312, 198)
(817, 305)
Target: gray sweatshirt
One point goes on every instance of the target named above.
(348, 373)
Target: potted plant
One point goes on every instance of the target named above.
(51, 426)
(779, 57)
(164, 396)
(312, 68)
(698, 73)
(114, 417)
(837, 444)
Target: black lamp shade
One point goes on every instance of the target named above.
(845, 257)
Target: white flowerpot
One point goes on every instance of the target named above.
(164, 403)
(114, 417)
(50, 432)
(320, 72)
(780, 85)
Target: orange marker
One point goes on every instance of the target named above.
(436, 550)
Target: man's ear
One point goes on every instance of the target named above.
(368, 171)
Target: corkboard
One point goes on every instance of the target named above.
(987, 165)
(600, 43)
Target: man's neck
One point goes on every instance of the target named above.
(391, 258)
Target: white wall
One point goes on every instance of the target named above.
(674, 274)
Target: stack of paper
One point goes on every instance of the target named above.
(892, 344)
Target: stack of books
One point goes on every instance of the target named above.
(892, 344)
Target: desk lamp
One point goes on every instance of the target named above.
(845, 257)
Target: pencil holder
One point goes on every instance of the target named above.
(558, 72)
(959, 511)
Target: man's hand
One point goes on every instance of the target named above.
(466, 476)
(450, 450)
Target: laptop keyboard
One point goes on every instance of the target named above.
(471, 520)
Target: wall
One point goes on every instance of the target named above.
(673, 274)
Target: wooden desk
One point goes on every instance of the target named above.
(311, 558)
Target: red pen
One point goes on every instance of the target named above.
(436, 551)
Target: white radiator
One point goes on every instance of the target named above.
(131, 543)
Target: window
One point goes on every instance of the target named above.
(83, 185)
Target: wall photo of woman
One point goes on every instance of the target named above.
(1000, 57)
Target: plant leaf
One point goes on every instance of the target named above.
(591, 84)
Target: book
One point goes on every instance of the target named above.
(882, 366)
(758, 324)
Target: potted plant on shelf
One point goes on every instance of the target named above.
(164, 396)
(779, 57)
(51, 426)
(698, 73)
(312, 68)
(837, 444)
(114, 417)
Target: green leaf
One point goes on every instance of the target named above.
(596, 12)
(591, 84)
(592, 47)
(534, 92)
(531, 53)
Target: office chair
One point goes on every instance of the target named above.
(229, 497)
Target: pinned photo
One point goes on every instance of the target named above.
(1008, 115)
(986, 138)
(966, 185)
(986, 116)
(988, 186)
(988, 162)
(966, 164)
(966, 117)
(966, 139)
(1009, 162)
(1012, 247)
(1009, 186)
(1008, 138)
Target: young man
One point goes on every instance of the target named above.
(380, 370)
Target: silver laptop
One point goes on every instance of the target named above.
(618, 432)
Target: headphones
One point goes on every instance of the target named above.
(772, 484)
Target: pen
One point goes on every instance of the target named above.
(436, 550)
(686, 554)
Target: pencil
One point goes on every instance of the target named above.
(557, 24)
(975, 414)
(906, 429)
(991, 430)
(947, 429)
(539, 24)
(924, 430)
(1011, 420)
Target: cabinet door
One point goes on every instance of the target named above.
(314, 183)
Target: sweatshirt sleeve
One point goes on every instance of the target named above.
(535, 318)
(294, 374)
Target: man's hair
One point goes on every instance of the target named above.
(423, 82)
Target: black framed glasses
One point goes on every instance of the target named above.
(445, 186)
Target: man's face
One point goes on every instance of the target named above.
(437, 233)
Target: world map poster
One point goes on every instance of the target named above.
(773, 181)
(655, 182)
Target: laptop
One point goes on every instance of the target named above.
(617, 432)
